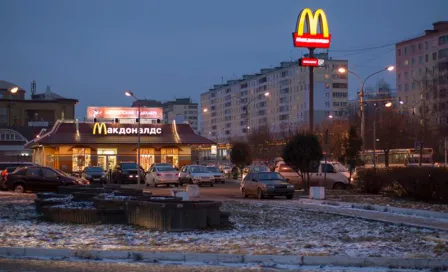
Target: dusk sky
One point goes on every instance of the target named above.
(94, 50)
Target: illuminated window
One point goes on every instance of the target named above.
(170, 155)
(80, 159)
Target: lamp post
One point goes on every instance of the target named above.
(387, 105)
(266, 94)
(343, 70)
(13, 90)
(129, 93)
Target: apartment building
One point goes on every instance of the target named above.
(180, 110)
(183, 111)
(276, 98)
(422, 74)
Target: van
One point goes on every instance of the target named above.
(332, 175)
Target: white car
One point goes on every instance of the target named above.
(162, 175)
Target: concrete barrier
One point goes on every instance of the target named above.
(193, 191)
(234, 259)
(180, 193)
(317, 192)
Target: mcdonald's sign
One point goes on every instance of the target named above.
(311, 38)
(99, 128)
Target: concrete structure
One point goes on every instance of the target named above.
(22, 119)
(223, 107)
(422, 67)
(182, 110)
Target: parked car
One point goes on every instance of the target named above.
(288, 173)
(336, 177)
(9, 167)
(158, 175)
(217, 174)
(226, 169)
(94, 174)
(38, 178)
(261, 184)
(255, 169)
(127, 173)
(196, 174)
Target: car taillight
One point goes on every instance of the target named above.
(158, 174)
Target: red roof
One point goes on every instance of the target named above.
(66, 133)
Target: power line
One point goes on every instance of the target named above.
(375, 47)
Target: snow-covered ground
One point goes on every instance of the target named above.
(259, 228)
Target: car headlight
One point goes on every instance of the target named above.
(270, 186)
(290, 186)
(196, 177)
(352, 179)
(131, 176)
(88, 176)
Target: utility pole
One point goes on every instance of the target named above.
(311, 100)
(374, 137)
(326, 154)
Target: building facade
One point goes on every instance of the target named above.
(71, 146)
(276, 98)
(22, 119)
(181, 110)
(422, 69)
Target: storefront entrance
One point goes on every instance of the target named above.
(146, 157)
(170, 155)
(107, 158)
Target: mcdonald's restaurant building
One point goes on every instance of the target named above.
(72, 146)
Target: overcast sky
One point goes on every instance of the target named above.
(93, 50)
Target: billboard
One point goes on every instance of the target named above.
(124, 113)
(311, 38)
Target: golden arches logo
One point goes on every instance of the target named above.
(311, 38)
(99, 128)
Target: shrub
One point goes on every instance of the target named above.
(424, 184)
(372, 182)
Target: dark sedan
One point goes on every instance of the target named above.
(94, 174)
(264, 184)
(36, 178)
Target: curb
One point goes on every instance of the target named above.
(378, 208)
(420, 263)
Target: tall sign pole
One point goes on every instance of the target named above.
(312, 40)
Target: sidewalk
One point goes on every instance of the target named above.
(388, 217)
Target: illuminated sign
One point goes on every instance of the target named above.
(311, 38)
(315, 62)
(214, 150)
(124, 113)
(102, 129)
(99, 128)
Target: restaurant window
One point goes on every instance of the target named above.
(170, 155)
(146, 157)
(107, 158)
(80, 159)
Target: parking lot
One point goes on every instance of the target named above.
(229, 190)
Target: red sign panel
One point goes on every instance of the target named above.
(311, 41)
(309, 62)
(123, 112)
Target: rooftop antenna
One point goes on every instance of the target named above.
(33, 88)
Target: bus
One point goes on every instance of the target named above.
(400, 157)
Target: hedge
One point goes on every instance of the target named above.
(424, 184)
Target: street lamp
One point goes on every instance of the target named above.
(343, 70)
(131, 94)
(205, 110)
(14, 90)
(266, 94)
(387, 105)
